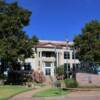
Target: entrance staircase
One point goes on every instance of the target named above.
(49, 80)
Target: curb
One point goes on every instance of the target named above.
(84, 89)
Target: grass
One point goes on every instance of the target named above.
(51, 92)
(8, 91)
(39, 84)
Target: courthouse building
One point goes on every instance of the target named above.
(51, 54)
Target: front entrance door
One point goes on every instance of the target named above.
(48, 68)
(48, 71)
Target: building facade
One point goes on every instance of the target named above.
(51, 54)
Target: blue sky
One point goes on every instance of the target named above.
(59, 19)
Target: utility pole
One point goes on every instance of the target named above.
(55, 60)
(67, 59)
(66, 40)
(74, 54)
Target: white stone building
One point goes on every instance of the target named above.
(51, 54)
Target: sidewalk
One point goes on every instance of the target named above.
(84, 89)
(28, 95)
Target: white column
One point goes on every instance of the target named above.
(61, 58)
(41, 60)
(43, 68)
(37, 60)
(57, 58)
(70, 54)
(52, 69)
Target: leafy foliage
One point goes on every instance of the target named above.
(88, 43)
(70, 83)
(14, 42)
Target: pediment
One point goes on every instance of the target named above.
(49, 45)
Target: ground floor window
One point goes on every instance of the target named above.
(67, 67)
(27, 67)
(67, 70)
(47, 71)
(76, 66)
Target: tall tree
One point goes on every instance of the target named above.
(88, 43)
(14, 43)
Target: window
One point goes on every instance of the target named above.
(27, 66)
(47, 64)
(39, 54)
(47, 71)
(73, 55)
(76, 67)
(76, 54)
(48, 54)
(66, 55)
(98, 36)
(67, 66)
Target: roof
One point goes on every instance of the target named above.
(52, 44)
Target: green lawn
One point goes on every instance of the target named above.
(51, 92)
(7, 91)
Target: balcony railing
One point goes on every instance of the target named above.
(48, 58)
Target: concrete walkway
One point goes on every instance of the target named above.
(28, 95)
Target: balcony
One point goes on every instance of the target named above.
(51, 59)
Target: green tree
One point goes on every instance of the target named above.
(88, 43)
(14, 42)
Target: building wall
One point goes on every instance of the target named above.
(38, 62)
(85, 79)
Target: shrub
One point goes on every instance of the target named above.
(70, 83)
(14, 78)
(38, 76)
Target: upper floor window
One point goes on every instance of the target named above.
(66, 55)
(39, 54)
(74, 55)
(48, 54)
